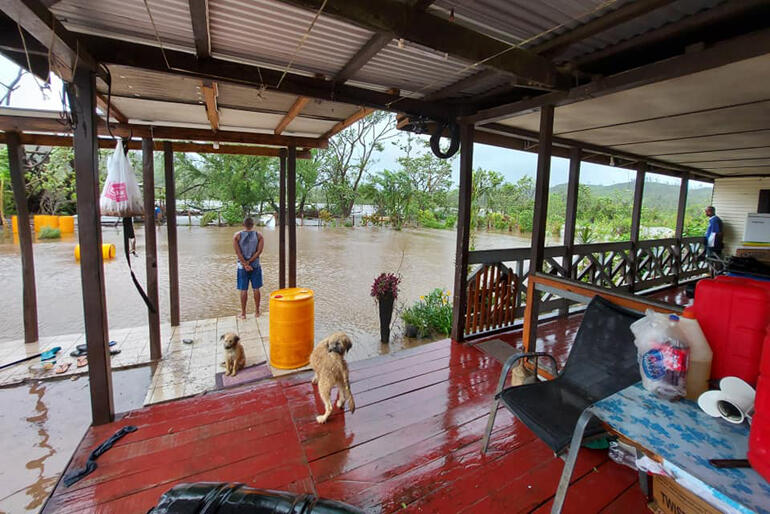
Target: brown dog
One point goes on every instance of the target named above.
(235, 357)
(328, 362)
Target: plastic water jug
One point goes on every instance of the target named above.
(699, 367)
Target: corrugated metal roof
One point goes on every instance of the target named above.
(268, 31)
(118, 18)
(413, 68)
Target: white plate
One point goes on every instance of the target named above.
(708, 402)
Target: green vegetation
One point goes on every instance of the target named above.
(417, 192)
(49, 233)
(432, 314)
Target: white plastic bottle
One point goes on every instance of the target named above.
(699, 370)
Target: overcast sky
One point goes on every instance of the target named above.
(513, 164)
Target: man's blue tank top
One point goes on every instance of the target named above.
(248, 242)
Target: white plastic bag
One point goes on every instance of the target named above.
(121, 195)
(663, 356)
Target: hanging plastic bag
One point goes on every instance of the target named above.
(663, 355)
(121, 195)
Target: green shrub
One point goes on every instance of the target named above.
(348, 223)
(49, 233)
(431, 314)
(207, 218)
(232, 214)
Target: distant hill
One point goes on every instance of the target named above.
(656, 194)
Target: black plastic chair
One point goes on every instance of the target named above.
(602, 362)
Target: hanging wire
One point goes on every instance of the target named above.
(599, 7)
(301, 43)
(157, 35)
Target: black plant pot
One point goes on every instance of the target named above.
(411, 331)
(386, 314)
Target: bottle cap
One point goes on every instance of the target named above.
(673, 317)
(688, 313)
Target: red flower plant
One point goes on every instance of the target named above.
(385, 284)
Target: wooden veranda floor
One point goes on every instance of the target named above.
(413, 443)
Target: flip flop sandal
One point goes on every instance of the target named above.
(114, 352)
(187, 341)
(84, 348)
(48, 365)
(50, 354)
(82, 361)
(62, 368)
(78, 353)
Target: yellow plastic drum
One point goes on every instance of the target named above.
(15, 224)
(292, 321)
(67, 224)
(40, 221)
(108, 252)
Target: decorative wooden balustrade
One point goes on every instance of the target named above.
(614, 266)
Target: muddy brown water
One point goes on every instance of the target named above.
(339, 264)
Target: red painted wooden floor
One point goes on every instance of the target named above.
(413, 443)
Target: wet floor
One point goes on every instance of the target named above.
(42, 424)
(339, 264)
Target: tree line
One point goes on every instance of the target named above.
(419, 192)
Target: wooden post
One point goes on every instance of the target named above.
(679, 231)
(282, 221)
(636, 221)
(460, 299)
(82, 100)
(570, 217)
(173, 254)
(150, 243)
(29, 294)
(532, 309)
(291, 202)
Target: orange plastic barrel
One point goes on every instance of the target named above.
(108, 251)
(67, 224)
(40, 221)
(292, 328)
(15, 224)
(52, 221)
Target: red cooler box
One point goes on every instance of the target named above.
(759, 438)
(734, 314)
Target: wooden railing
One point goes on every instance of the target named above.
(614, 266)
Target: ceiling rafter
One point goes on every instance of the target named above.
(360, 114)
(210, 92)
(115, 113)
(199, 15)
(292, 113)
(442, 35)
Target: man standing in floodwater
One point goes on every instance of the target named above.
(248, 245)
(713, 233)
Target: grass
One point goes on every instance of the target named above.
(49, 233)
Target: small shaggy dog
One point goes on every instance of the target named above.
(235, 357)
(328, 362)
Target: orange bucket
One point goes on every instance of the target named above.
(15, 224)
(292, 320)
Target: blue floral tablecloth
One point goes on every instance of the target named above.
(687, 438)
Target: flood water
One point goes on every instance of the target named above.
(339, 264)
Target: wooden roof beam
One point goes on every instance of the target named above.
(210, 92)
(35, 18)
(112, 51)
(733, 50)
(418, 26)
(360, 114)
(377, 42)
(54, 126)
(199, 15)
(292, 113)
(115, 113)
(136, 144)
(627, 12)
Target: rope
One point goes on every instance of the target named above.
(157, 35)
(600, 6)
(301, 43)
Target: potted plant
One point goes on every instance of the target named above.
(411, 321)
(385, 291)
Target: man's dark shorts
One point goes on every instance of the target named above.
(245, 277)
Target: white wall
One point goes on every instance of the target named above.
(733, 199)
